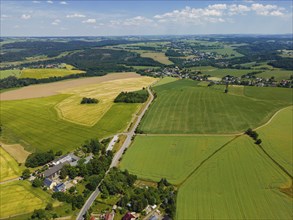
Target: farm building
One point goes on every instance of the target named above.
(71, 158)
(49, 183)
(54, 171)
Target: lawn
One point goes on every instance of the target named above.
(89, 114)
(184, 107)
(9, 167)
(239, 182)
(20, 197)
(35, 124)
(277, 138)
(6, 73)
(46, 73)
(172, 157)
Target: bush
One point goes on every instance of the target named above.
(132, 97)
(26, 174)
(37, 182)
(89, 101)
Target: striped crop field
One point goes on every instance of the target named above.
(20, 197)
(9, 167)
(239, 182)
(35, 124)
(171, 157)
(184, 107)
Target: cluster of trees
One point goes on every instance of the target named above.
(76, 201)
(253, 135)
(132, 97)
(135, 198)
(172, 53)
(86, 100)
(39, 159)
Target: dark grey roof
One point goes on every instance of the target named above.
(54, 169)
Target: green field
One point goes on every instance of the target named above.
(277, 138)
(239, 182)
(224, 72)
(6, 73)
(226, 50)
(46, 73)
(9, 167)
(35, 124)
(277, 74)
(165, 80)
(172, 157)
(184, 107)
(20, 197)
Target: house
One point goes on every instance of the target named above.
(49, 183)
(54, 171)
(71, 158)
(60, 187)
(129, 216)
(109, 216)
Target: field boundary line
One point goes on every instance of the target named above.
(192, 135)
(274, 115)
(206, 159)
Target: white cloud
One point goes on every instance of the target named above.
(4, 16)
(90, 21)
(36, 2)
(238, 9)
(218, 6)
(50, 2)
(25, 16)
(75, 15)
(56, 22)
(63, 3)
(267, 10)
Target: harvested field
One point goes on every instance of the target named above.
(48, 89)
(46, 73)
(16, 151)
(70, 108)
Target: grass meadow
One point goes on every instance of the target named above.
(9, 167)
(172, 157)
(277, 138)
(184, 107)
(35, 124)
(239, 182)
(157, 56)
(20, 197)
(46, 73)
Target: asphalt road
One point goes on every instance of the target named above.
(117, 156)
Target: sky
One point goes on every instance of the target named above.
(139, 17)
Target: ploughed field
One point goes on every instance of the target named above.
(183, 107)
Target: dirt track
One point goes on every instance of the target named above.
(48, 89)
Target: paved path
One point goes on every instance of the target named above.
(117, 156)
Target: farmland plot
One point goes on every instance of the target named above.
(239, 182)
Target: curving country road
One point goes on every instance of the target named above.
(117, 156)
